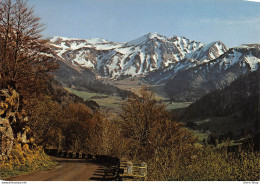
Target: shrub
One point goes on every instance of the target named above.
(207, 165)
(23, 161)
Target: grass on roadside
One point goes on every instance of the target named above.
(23, 161)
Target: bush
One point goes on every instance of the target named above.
(149, 129)
(23, 161)
(207, 165)
(172, 152)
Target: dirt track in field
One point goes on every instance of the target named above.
(68, 170)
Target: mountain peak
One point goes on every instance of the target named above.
(208, 52)
(218, 44)
(141, 56)
(155, 35)
(215, 43)
(146, 37)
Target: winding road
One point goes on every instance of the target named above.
(69, 170)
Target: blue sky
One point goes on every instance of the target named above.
(232, 21)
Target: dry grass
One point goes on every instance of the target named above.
(206, 165)
(23, 160)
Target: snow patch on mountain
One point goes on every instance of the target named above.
(91, 40)
(143, 39)
(208, 52)
(253, 62)
(137, 57)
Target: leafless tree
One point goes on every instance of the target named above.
(24, 56)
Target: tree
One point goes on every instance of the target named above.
(149, 127)
(76, 123)
(24, 56)
(140, 114)
(25, 62)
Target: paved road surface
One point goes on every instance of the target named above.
(68, 170)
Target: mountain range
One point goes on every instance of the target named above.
(188, 68)
(138, 57)
(195, 82)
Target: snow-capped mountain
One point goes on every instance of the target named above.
(189, 68)
(215, 74)
(138, 57)
(208, 52)
(203, 54)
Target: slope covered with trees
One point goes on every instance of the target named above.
(238, 105)
(240, 96)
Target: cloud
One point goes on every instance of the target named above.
(257, 1)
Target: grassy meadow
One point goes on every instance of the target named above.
(108, 101)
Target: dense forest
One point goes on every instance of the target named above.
(243, 92)
(36, 113)
(239, 101)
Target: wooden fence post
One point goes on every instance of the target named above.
(144, 169)
(129, 167)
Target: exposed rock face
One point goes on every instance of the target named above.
(6, 137)
(9, 104)
(11, 121)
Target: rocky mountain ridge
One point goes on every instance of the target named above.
(138, 57)
(193, 83)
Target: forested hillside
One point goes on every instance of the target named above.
(241, 97)
(237, 108)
